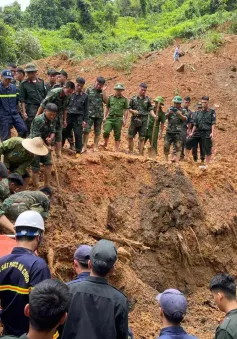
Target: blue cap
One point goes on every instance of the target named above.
(173, 303)
(82, 254)
(7, 74)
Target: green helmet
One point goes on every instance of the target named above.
(177, 99)
(160, 100)
(119, 86)
(31, 68)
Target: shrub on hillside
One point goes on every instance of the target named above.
(28, 46)
(213, 41)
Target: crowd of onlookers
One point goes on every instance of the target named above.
(34, 306)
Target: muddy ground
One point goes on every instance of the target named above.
(185, 216)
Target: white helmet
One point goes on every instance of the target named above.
(30, 219)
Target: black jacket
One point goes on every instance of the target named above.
(79, 105)
(97, 311)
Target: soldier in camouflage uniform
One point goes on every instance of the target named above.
(203, 130)
(97, 96)
(19, 153)
(10, 185)
(115, 115)
(17, 203)
(61, 98)
(176, 119)
(52, 77)
(140, 106)
(32, 92)
(159, 121)
(44, 126)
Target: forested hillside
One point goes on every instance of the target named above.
(83, 28)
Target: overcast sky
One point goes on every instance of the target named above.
(23, 3)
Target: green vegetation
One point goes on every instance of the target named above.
(84, 28)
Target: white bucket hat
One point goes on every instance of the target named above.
(35, 146)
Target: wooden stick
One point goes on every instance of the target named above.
(57, 179)
(122, 241)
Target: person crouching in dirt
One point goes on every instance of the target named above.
(44, 126)
(14, 183)
(19, 154)
(115, 115)
(21, 270)
(176, 118)
(203, 130)
(173, 307)
(159, 121)
(19, 202)
(140, 106)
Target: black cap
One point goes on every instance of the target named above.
(81, 81)
(52, 72)
(101, 80)
(3, 171)
(20, 70)
(63, 73)
(103, 255)
(143, 85)
(16, 177)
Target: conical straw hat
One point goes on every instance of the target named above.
(35, 146)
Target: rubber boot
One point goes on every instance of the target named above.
(141, 147)
(35, 179)
(47, 175)
(96, 142)
(130, 145)
(85, 142)
(117, 143)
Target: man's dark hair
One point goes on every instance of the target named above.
(174, 320)
(101, 80)
(100, 270)
(27, 238)
(143, 85)
(49, 301)
(51, 107)
(12, 65)
(81, 81)
(47, 190)
(15, 181)
(83, 265)
(224, 283)
(70, 84)
(187, 99)
(205, 97)
(20, 70)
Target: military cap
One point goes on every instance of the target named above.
(119, 86)
(31, 68)
(103, 255)
(63, 73)
(16, 177)
(20, 70)
(7, 74)
(3, 171)
(177, 99)
(52, 72)
(160, 100)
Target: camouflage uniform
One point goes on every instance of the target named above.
(42, 127)
(139, 122)
(96, 110)
(20, 202)
(204, 119)
(32, 93)
(161, 120)
(57, 97)
(174, 130)
(16, 157)
(4, 189)
(114, 121)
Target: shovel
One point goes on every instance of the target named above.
(57, 179)
(151, 149)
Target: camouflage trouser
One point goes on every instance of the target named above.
(97, 122)
(172, 138)
(183, 143)
(14, 210)
(134, 129)
(115, 124)
(45, 160)
(149, 135)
